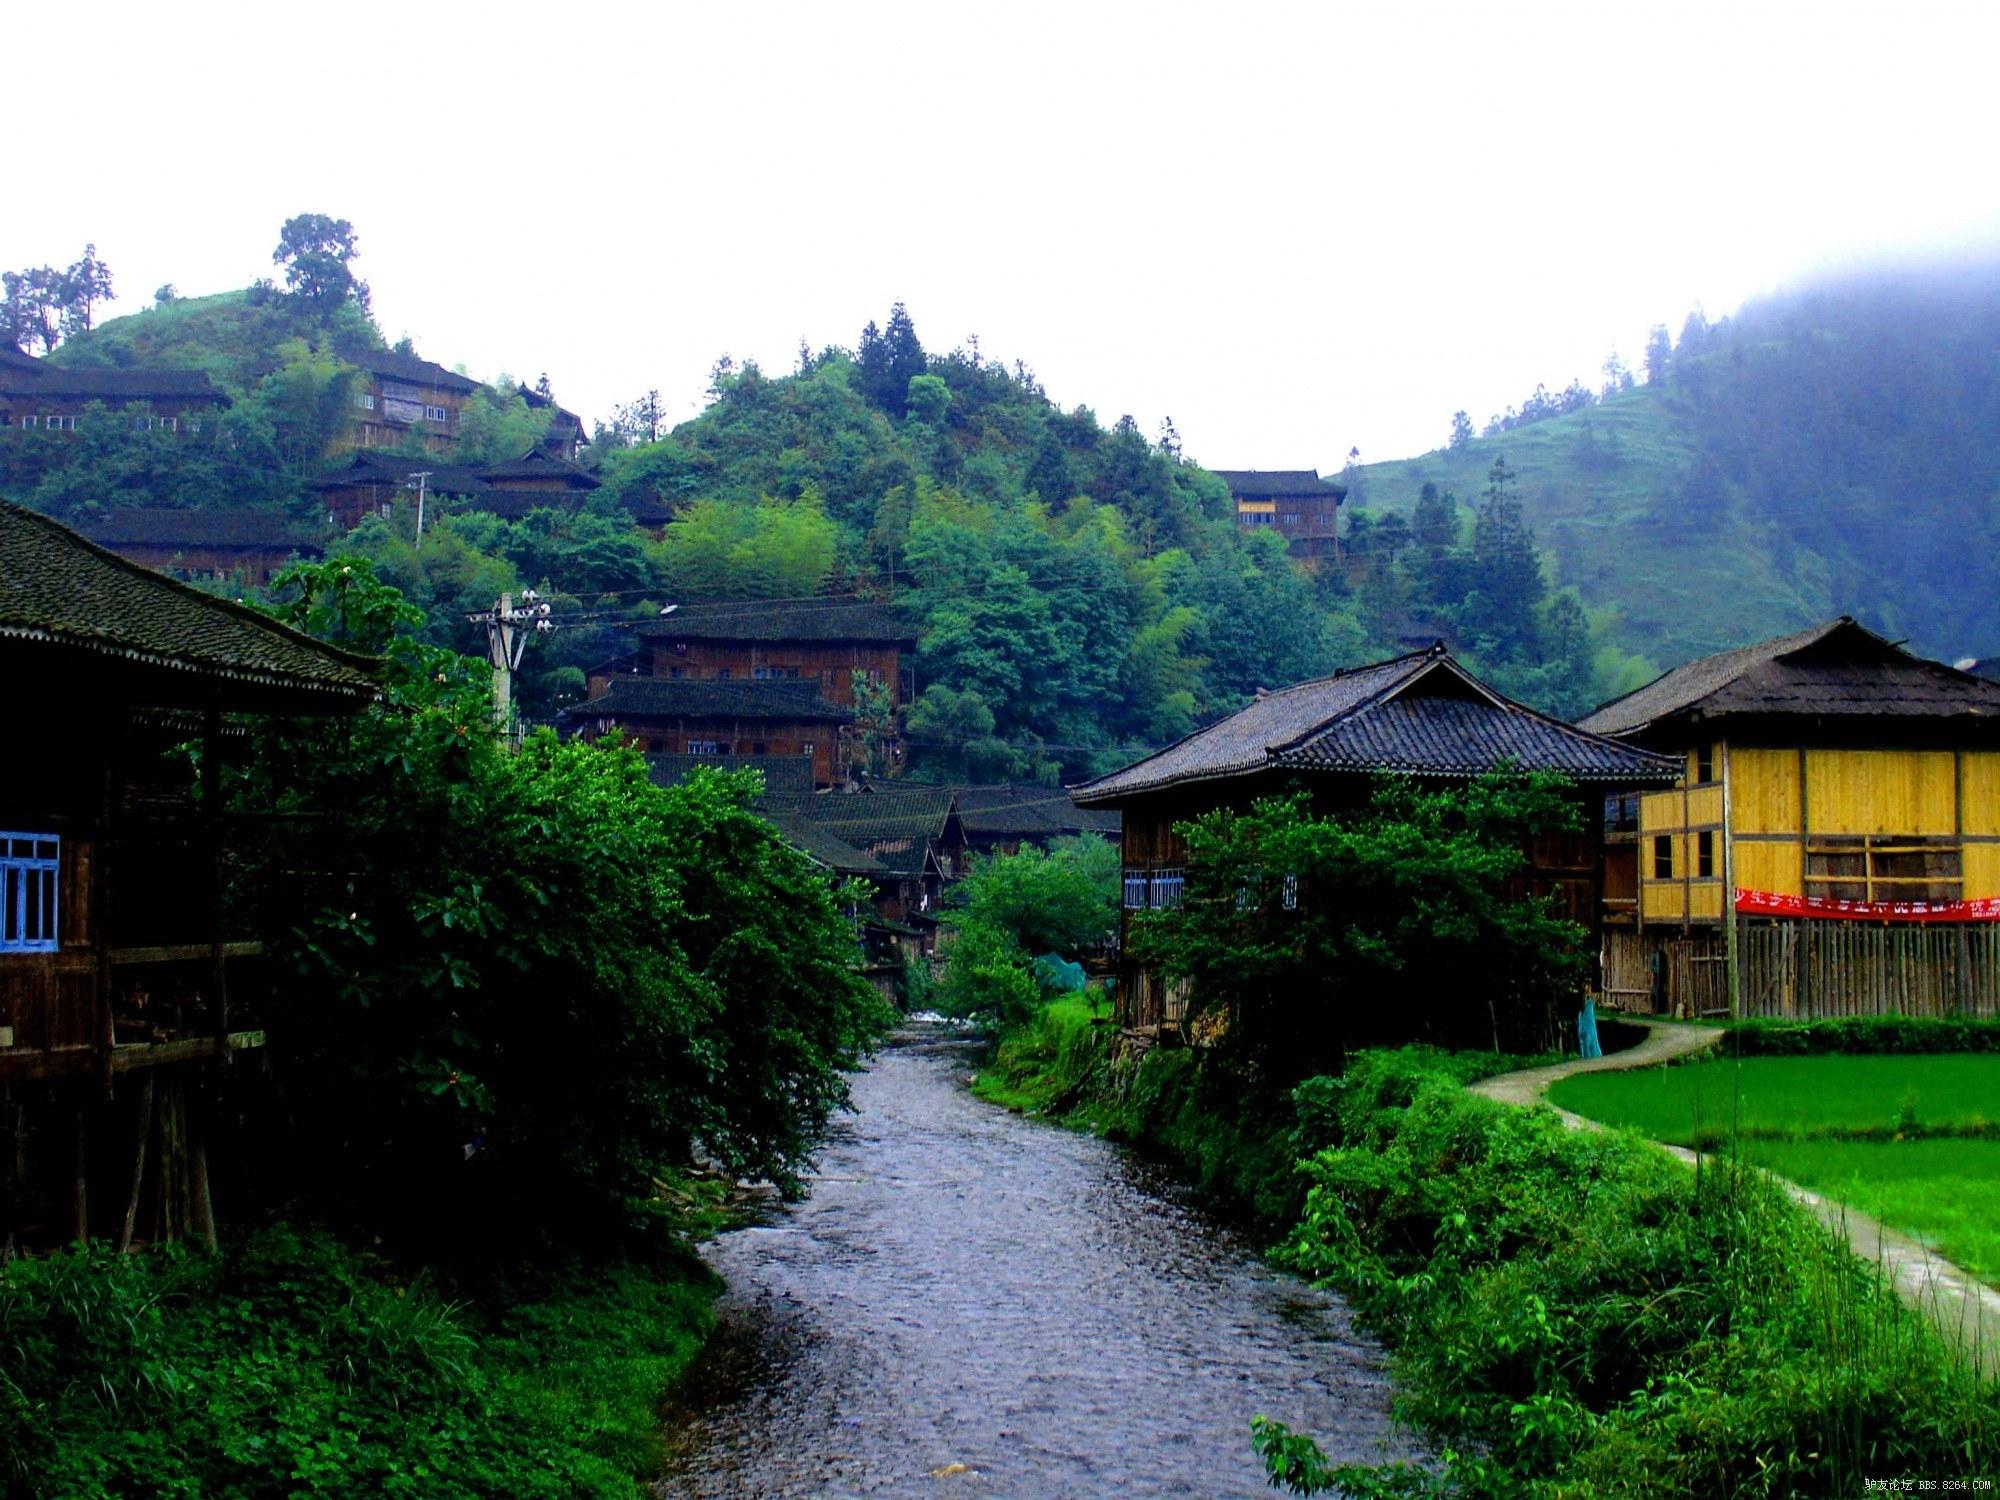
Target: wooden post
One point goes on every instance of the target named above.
(211, 817)
(80, 1201)
(1732, 951)
(143, 1130)
(100, 914)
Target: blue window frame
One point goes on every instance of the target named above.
(29, 864)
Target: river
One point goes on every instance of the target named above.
(973, 1303)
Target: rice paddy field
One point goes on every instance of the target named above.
(1913, 1140)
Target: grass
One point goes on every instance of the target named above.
(1910, 1139)
(1944, 1190)
(1037, 1064)
(1793, 1096)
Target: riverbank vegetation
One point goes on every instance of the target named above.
(530, 1009)
(1912, 1138)
(1569, 1313)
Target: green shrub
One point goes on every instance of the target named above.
(1593, 1319)
(1891, 1033)
(292, 1366)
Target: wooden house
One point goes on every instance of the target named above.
(720, 718)
(36, 395)
(1296, 504)
(370, 483)
(1420, 715)
(565, 438)
(1833, 843)
(403, 396)
(246, 546)
(835, 643)
(539, 472)
(123, 994)
(1000, 818)
(910, 841)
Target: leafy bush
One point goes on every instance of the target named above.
(1316, 932)
(1864, 1034)
(291, 1366)
(1590, 1318)
(1010, 909)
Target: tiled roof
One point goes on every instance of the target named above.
(784, 775)
(705, 698)
(44, 380)
(823, 847)
(372, 466)
(61, 590)
(1027, 810)
(1269, 484)
(769, 620)
(1836, 669)
(12, 358)
(538, 463)
(896, 822)
(1422, 715)
(201, 528)
(387, 365)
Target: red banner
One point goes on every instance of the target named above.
(1770, 904)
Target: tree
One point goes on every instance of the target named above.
(318, 253)
(31, 304)
(1461, 430)
(640, 421)
(1287, 907)
(906, 358)
(1506, 572)
(85, 284)
(1659, 355)
(928, 399)
(1434, 524)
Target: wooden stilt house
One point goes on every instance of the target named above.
(1832, 846)
(1420, 715)
(123, 996)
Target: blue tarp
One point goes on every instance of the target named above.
(1586, 1031)
(1059, 974)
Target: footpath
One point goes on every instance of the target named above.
(1963, 1307)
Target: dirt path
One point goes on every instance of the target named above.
(1964, 1308)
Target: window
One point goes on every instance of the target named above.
(366, 401)
(774, 674)
(1663, 856)
(1621, 812)
(806, 748)
(54, 424)
(193, 424)
(1885, 867)
(1135, 890)
(1166, 889)
(723, 674)
(704, 747)
(1704, 765)
(1704, 855)
(1291, 893)
(673, 673)
(436, 414)
(28, 866)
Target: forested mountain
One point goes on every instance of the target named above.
(1834, 449)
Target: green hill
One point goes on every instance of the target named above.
(1832, 450)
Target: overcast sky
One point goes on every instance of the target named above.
(1293, 229)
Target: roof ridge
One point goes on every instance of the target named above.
(359, 661)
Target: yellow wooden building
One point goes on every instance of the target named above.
(1831, 842)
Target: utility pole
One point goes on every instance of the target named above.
(506, 637)
(418, 482)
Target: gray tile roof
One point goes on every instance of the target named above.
(60, 590)
(1837, 669)
(388, 365)
(84, 383)
(1421, 715)
(1269, 484)
(371, 466)
(628, 696)
(784, 775)
(1027, 810)
(248, 529)
(538, 463)
(775, 620)
(897, 823)
(823, 847)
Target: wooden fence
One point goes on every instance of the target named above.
(1808, 969)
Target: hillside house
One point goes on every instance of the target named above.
(910, 840)
(836, 643)
(36, 395)
(1295, 503)
(402, 395)
(210, 545)
(1000, 818)
(123, 993)
(1832, 845)
(565, 438)
(1419, 715)
(723, 718)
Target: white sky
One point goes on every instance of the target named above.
(1293, 228)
